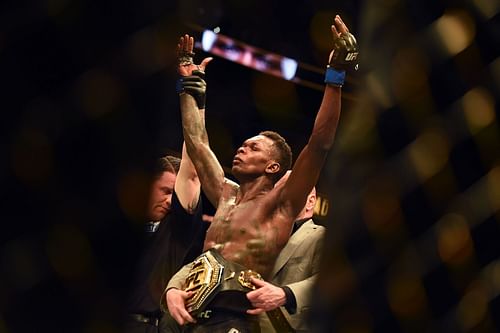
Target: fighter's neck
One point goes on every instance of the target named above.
(251, 189)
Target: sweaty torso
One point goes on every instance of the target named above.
(250, 232)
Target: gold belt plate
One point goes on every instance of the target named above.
(244, 278)
(203, 279)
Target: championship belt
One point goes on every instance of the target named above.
(203, 279)
(211, 275)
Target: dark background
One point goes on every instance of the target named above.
(413, 181)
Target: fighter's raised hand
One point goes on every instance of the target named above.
(185, 56)
(345, 47)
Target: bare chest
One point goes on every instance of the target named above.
(242, 217)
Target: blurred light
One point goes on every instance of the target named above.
(409, 73)
(381, 210)
(69, 251)
(98, 325)
(493, 276)
(276, 99)
(406, 295)
(359, 134)
(479, 109)
(473, 308)
(22, 266)
(217, 30)
(3, 326)
(148, 51)
(454, 240)
(249, 56)
(493, 179)
(56, 7)
(456, 30)
(207, 39)
(32, 157)
(495, 70)
(488, 8)
(429, 153)
(133, 195)
(99, 93)
(490, 275)
(288, 68)
(354, 319)
(320, 30)
(345, 280)
(379, 90)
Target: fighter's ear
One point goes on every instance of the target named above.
(273, 167)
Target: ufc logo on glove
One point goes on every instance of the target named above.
(351, 56)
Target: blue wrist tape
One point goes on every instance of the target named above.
(178, 86)
(334, 77)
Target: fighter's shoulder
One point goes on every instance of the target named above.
(229, 185)
(275, 197)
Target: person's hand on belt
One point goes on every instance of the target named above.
(266, 297)
(176, 302)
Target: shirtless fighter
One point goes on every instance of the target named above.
(253, 220)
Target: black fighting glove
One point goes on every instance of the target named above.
(343, 57)
(345, 51)
(195, 86)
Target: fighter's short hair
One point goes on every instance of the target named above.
(283, 153)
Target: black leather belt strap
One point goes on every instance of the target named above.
(279, 321)
(145, 319)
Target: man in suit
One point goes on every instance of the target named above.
(292, 277)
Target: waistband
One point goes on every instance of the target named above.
(147, 319)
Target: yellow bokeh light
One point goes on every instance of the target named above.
(495, 276)
(276, 99)
(473, 307)
(479, 109)
(454, 240)
(100, 93)
(429, 153)
(409, 72)
(406, 295)
(32, 157)
(359, 132)
(133, 193)
(65, 243)
(381, 211)
(493, 180)
(456, 31)
(488, 8)
(320, 30)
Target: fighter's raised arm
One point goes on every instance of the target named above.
(307, 167)
(192, 89)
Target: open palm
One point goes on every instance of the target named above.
(185, 55)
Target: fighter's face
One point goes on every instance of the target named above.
(253, 156)
(161, 196)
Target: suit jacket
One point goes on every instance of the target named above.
(296, 267)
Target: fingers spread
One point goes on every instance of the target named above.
(190, 44)
(186, 43)
(335, 33)
(341, 27)
(205, 62)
